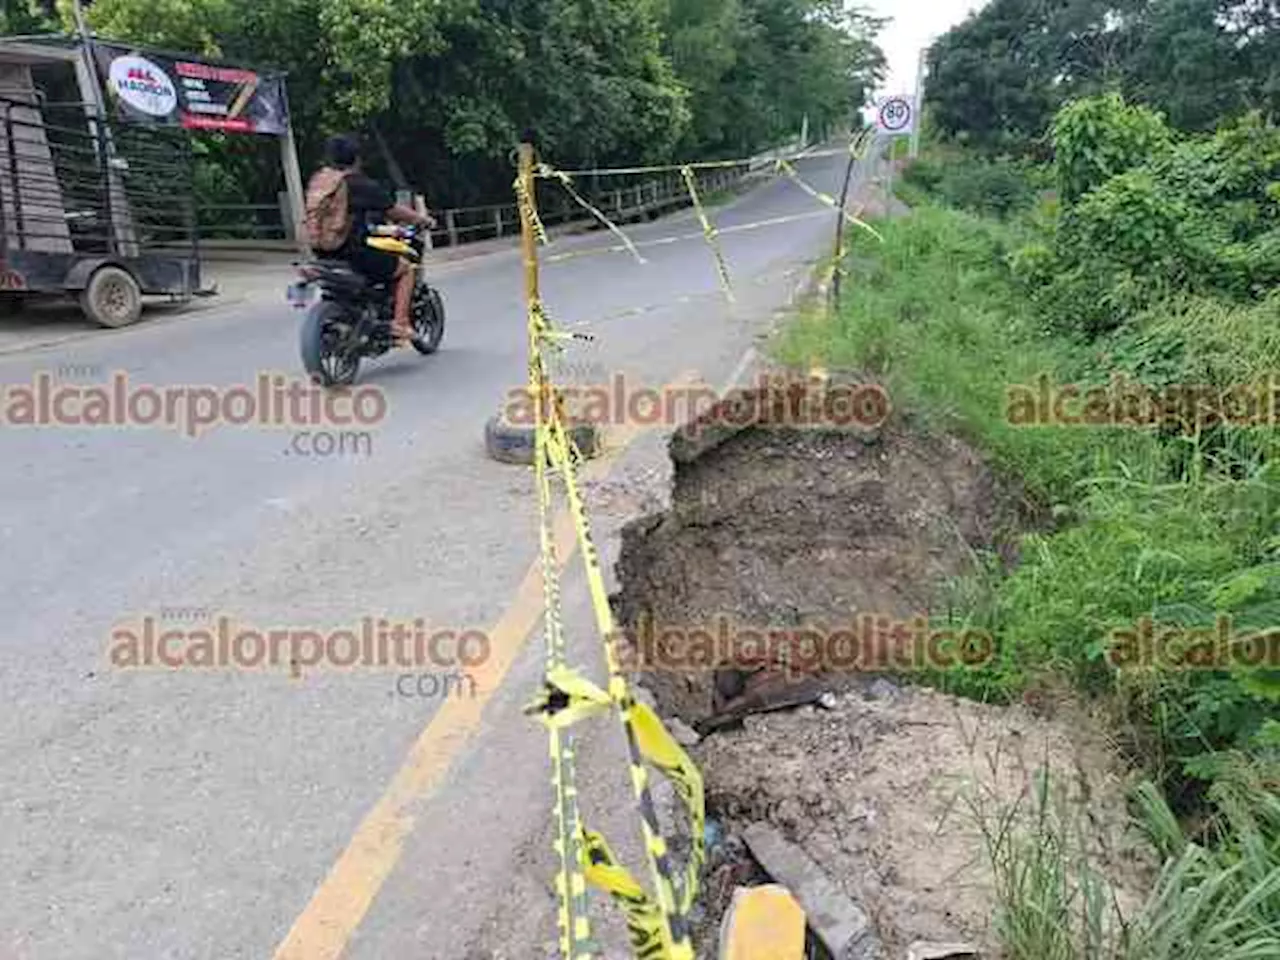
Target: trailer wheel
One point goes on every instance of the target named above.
(112, 298)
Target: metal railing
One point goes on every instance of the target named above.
(622, 199)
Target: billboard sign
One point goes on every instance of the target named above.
(152, 88)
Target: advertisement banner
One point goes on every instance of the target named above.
(153, 88)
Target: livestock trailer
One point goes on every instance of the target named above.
(89, 208)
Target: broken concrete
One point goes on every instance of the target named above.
(838, 922)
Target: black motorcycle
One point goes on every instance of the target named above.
(349, 316)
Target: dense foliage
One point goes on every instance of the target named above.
(997, 79)
(444, 88)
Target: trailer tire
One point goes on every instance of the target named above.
(112, 298)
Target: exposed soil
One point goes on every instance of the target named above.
(786, 528)
(887, 793)
(779, 529)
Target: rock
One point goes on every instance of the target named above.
(762, 923)
(927, 950)
(828, 701)
(682, 733)
(882, 689)
(835, 919)
(712, 834)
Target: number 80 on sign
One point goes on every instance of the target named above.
(895, 115)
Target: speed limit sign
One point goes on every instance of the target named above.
(895, 115)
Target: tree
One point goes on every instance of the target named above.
(443, 88)
(996, 79)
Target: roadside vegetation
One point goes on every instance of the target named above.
(1111, 250)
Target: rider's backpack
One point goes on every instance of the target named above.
(328, 210)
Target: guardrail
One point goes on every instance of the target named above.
(268, 225)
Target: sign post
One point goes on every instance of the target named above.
(915, 127)
(895, 117)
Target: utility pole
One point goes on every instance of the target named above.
(86, 41)
(919, 105)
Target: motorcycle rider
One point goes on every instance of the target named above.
(370, 204)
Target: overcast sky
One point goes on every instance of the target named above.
(915, 24)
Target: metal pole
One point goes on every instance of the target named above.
(99, 98)
(293, 178)
(888, 176)
(839, 251)
(117, 200)
(919, 104)
(528, 243)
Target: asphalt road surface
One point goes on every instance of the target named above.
(218, 813)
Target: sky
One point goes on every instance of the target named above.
(915, 25)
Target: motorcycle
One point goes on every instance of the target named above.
(349, 317)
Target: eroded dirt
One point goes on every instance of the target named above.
(884, 784)
(788, 529)
(887, 793)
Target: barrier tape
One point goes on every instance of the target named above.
(658, 926)
(827, 200)
(709, 232)
(526, 204)
(567, 182)
(661, 241)
(698, 165)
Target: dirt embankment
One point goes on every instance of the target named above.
(883, 784)
(784, 530)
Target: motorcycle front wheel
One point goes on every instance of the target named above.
(326, 360)
(428, 319)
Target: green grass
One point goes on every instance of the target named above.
(934, 312)
(1148, 522)
(1215, 900)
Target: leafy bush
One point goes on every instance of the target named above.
(1097, 138)
(1190, 217)
(995, 188)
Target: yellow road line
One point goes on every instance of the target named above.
(336, 909)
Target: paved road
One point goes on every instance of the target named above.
(197, 813)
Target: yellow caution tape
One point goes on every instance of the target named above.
(659, 925)
(709, 232)
(567, 182)
(677, 167)
(683, 238)
(529, 209)
(827, 200)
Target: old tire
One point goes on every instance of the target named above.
(507, 442)
(112, 298)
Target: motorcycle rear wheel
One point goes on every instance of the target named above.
(326, 363)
